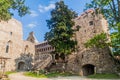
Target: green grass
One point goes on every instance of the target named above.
(31, 74)
(104, 76)
(10, 72)
(49, 75)
(56, 74)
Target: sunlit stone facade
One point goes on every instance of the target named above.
(13, 46)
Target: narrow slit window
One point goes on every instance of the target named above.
(7, 48)
(11, 33)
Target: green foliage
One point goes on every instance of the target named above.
(6, 6)
(61, 32)
(104, 76)
(115, 43)
(111, 10)
(98, 41)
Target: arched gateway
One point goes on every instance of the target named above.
(88, 69)
(21, 66)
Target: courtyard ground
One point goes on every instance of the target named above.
(20, 76)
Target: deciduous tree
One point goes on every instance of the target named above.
(6, 7)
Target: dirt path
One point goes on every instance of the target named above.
(20, 76)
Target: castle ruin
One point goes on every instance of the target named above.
(28, 54)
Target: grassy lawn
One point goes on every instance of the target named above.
(49, 75)
(10, 72)
(104, 76)
(31, 74)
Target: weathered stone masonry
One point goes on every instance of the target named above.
(13, 46)
(89, 61)
(29, 54)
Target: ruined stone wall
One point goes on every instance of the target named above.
(91, 24)
(11, 35)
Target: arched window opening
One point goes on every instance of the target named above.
(8, 46)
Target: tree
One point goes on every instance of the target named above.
(111, 10)
(98, 41)
(61, 32)
(6, 6)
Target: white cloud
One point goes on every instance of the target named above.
(33, 13)
(32, 24)
(51, 6)
(42, 8)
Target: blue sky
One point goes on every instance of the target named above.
(40, 12)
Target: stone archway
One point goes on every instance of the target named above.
(88, 69)
(21, 66)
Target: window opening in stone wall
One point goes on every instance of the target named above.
(31, 40)
(11, 33)
(7, 48)
(91, 23)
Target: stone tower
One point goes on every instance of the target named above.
(32, 38)
(14, 47)
(89, 61)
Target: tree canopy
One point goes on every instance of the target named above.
(61, 32)
(6, 7)
(111, 11)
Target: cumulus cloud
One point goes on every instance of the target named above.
(33, 13)
(42, 8)
(32, 24)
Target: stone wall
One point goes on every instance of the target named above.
(99, 60)
(11, 36)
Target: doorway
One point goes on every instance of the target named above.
(88, 69)
(21, 66)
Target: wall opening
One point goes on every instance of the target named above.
(56, 56)
(8, 46)
(88, 69)
(91, 23)
(21, 66)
